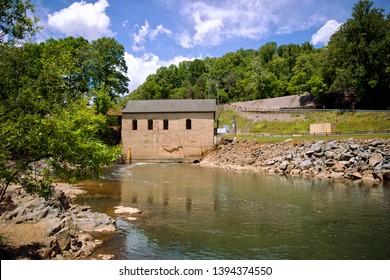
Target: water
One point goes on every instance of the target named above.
(190, 212)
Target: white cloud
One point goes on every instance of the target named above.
(214, 22)
(145, 32)
(208, 31)
(185, 40)
(82, 19)
(160, 29)
(125, 24)
(325, 32)
(139, 68)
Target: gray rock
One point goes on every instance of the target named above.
(354, 146)
(63, 239)
(346, 156)
(283, 165)
(306, 164)
(309, 153)
(375, 159)
(376, 143)
(329, 154)
(94, 222)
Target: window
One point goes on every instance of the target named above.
(188, 124)
(135, 125)
(165, 125)
(150, 124)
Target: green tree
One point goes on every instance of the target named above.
(47, 129)
(41, 134)
(15, 23)
(106, 65)
(359, 57)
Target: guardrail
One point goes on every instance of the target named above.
(384, 131)
(300, 110)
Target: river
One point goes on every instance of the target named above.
(191, 212)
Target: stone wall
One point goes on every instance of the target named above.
(366, 160)
(174, 144)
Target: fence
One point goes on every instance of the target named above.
(372, 132)
(300, 110)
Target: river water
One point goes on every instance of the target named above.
(191, 212)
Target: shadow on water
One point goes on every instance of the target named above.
(190, 212)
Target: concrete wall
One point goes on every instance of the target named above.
(322, 128)
(175, 144)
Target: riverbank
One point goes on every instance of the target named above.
(34, 228)
(354, 159)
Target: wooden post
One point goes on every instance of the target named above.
(128, 156)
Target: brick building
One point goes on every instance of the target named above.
(172, 130)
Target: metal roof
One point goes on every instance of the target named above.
(170, 106)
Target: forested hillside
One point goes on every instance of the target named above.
(353, 71)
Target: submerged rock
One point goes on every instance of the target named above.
(127, 210)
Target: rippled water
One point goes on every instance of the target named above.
(190, 212)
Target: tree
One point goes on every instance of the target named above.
(15, 24)
(41, 134)
(47, 129)
(359, 56)
(106, 65)
(267, 52)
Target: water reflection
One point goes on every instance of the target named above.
(191, 212)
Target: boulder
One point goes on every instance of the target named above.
(63, 239)
(375, 159)
(126, 210)
(386, 174)
(306, 164)
(94, 222)
(338, 167)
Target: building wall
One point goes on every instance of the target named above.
(175, 144)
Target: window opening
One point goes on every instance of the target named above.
(150, 124)
(188, 124)
(135, 124)
(166, 126)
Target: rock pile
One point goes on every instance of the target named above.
(65, 223)
(355, 159)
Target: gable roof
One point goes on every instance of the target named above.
(170, 106)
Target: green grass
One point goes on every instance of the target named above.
(227, 116)
(345, 123)
(297, 139)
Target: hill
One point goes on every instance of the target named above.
(268, 117)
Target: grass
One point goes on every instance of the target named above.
(226, 117)
(279, 139)
(346, 123)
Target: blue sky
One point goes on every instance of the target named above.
(158, 33)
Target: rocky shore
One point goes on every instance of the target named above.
(353, 159)
(34, 228)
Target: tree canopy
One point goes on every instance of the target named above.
(54, 97)
(15, 24)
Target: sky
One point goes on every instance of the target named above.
(159, 33)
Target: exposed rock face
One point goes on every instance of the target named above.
(354, 159)
(67, 225)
